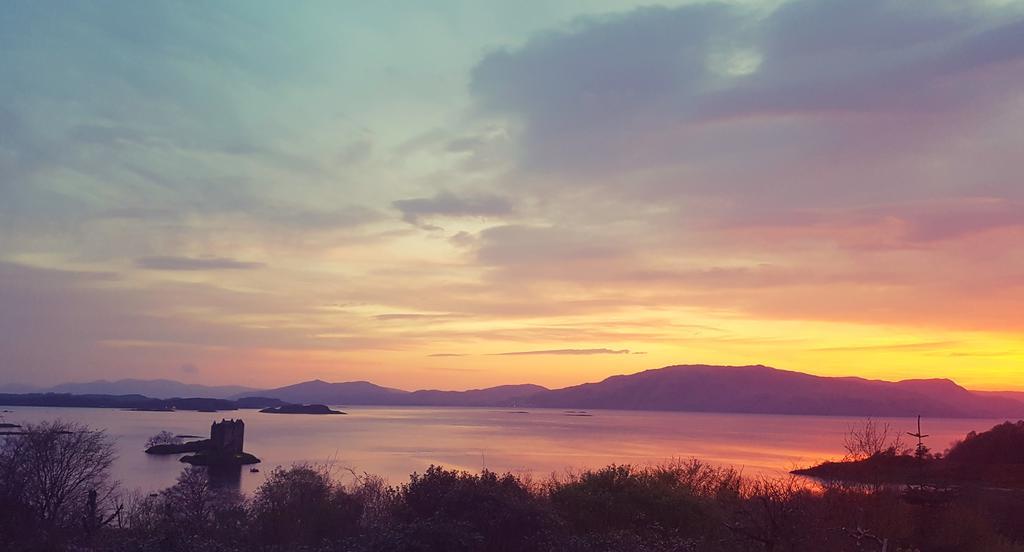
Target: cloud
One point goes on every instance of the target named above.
(448, 354)
(601, 351)
(193, 263)
(418, 316)
(447, 204)
(624, 177)
(170, 127)
(189, 368)
(726, 98)
(535, 245)
(923, 346)
(55, 322)
(939, 221)
(897, 225)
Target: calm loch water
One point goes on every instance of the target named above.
(396, 441)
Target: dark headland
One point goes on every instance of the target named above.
(993, 458)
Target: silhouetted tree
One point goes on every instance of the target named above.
(303, 505)
(190, 515)
(55, 479)
(872, 438)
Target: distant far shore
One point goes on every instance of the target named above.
(685, 388)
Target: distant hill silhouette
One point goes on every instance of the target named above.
(1015, 395)
(132, 402)
(492, 396)
(157, 389)
(700, 388)
(319, 391)
(18, 388)
(366, 393)
(764, 390)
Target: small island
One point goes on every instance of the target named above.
(583, 413)
(301, 409)
(179, 448)
(152, 409)
(223, 448)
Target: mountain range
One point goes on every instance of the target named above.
(366, 393)
(156, 389)
(698, 388)
(764, 390)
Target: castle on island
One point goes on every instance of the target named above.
(227, 436)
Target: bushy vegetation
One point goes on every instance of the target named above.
(163, 438)
(674, 507)
(993, 459)
(1003, 444)
(55, 483)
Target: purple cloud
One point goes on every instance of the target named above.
(674, 86)
(448, 204)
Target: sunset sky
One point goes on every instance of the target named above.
(458, 194)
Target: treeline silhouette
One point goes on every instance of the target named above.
(876, 455)
(56, 494)
(1003, 444)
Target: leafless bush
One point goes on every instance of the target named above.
(376, 496)
(58, 466)
(699, 477)
(194, 500)
(190, 515)
(771, 512)
(55, 486)
(872, 438)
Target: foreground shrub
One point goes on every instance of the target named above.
(456, 510)
(192, 514)
(55, 495)
(55, 485)
(303, 505)
(671, 503)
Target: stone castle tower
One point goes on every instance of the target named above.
(227, 436)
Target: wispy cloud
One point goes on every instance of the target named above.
(195, 263)
(418, 316)
(922, 346)
(601, 351)
(582, 352)
(447, 204)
